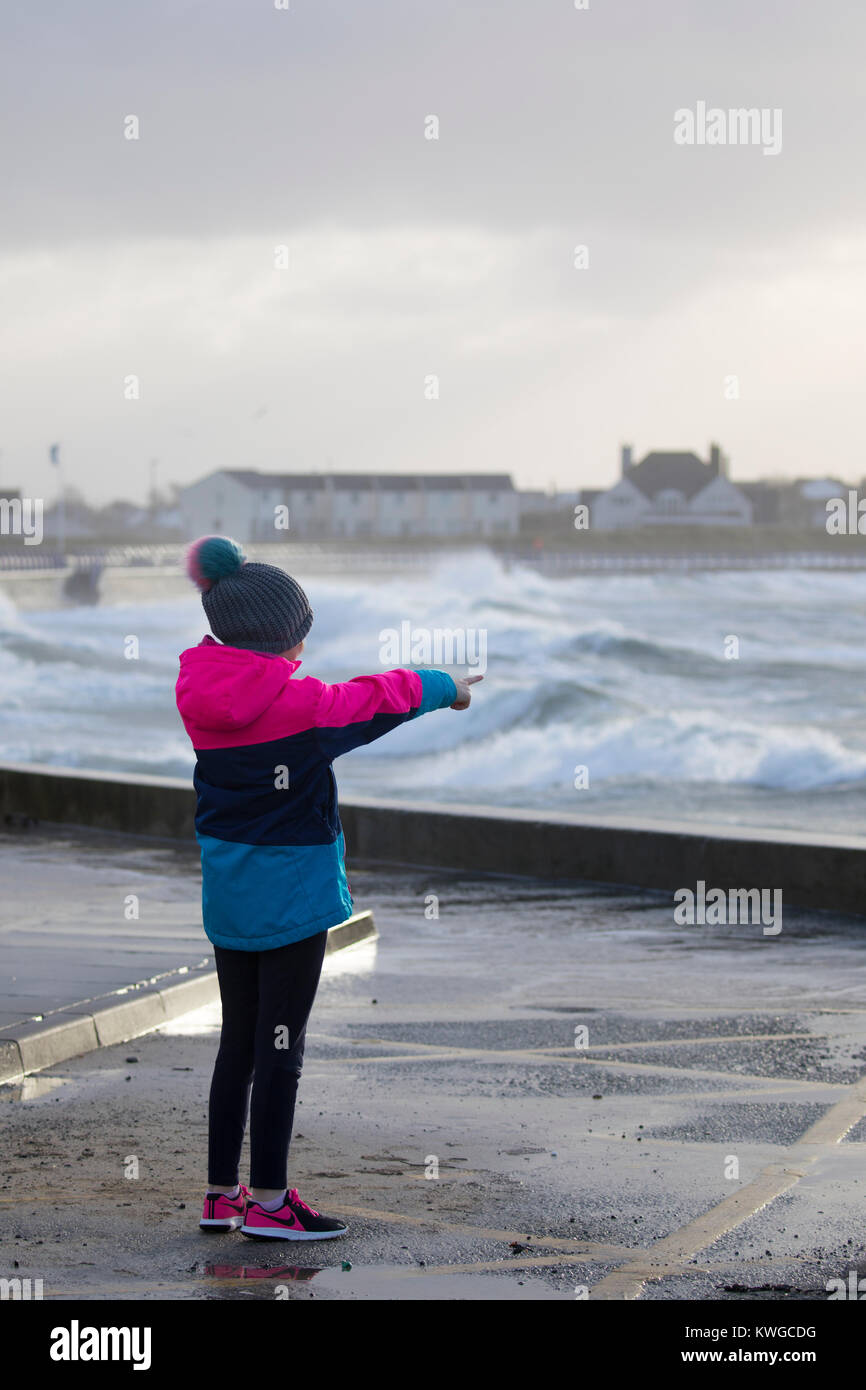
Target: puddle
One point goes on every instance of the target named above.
(283, 1273)
(78, 1083)
(405, 1283)
(196, 1022)
(31, 1087)
(393, 1283)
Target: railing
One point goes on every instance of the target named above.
(171, 557)
(361, 559)
(564, 562)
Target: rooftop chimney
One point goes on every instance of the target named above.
(625, 458)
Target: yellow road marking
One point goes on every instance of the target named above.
(436, 1052)
(669, 1255)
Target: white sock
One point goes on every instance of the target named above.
(273, 1205)
(236, 1193)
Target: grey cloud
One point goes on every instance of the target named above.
(259, 120)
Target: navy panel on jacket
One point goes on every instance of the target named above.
(238, 799)
(342, 738)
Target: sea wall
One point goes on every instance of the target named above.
(824, 873)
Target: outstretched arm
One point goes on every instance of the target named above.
(351, 713)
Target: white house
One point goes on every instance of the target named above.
(243, 503)
(492, 505)
(222, 503)
(671, 489)
(815, 494)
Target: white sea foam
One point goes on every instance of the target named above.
(625, 674)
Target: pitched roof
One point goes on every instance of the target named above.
(385, 482)
(443, 482)
(251, 477)
(247, 476)
(394, 482)
(488, 482)
(660, 470)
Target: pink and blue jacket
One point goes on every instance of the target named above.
(267, 819)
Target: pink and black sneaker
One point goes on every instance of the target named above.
(222, 1213)
(294, 1220)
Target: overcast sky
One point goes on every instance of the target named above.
(411, 257)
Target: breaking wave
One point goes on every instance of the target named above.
(663, 686)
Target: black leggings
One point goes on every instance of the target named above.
(266, 1001)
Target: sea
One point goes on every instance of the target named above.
(728, 697)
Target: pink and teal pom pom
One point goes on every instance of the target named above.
(211, 558)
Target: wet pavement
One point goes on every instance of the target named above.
(86, 914)
(549, 1091)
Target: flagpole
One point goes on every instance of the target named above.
(54, 455)
(61, 519)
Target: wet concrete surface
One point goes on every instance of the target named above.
(85, 914)
(449, 1046)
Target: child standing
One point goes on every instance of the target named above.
(272, 857)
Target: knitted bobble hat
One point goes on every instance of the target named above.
(257, 607)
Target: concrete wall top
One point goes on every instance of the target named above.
(828, 873)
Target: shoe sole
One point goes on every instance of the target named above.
(271, 1233)
(230, 1225)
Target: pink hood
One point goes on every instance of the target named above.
(225, 689)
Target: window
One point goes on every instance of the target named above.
(670, 501)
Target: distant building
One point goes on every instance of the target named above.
(243, 503)
(671, 489)
(10, 507)
(765, 500)
(547, 508)
(801, 503)
(812, 496)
